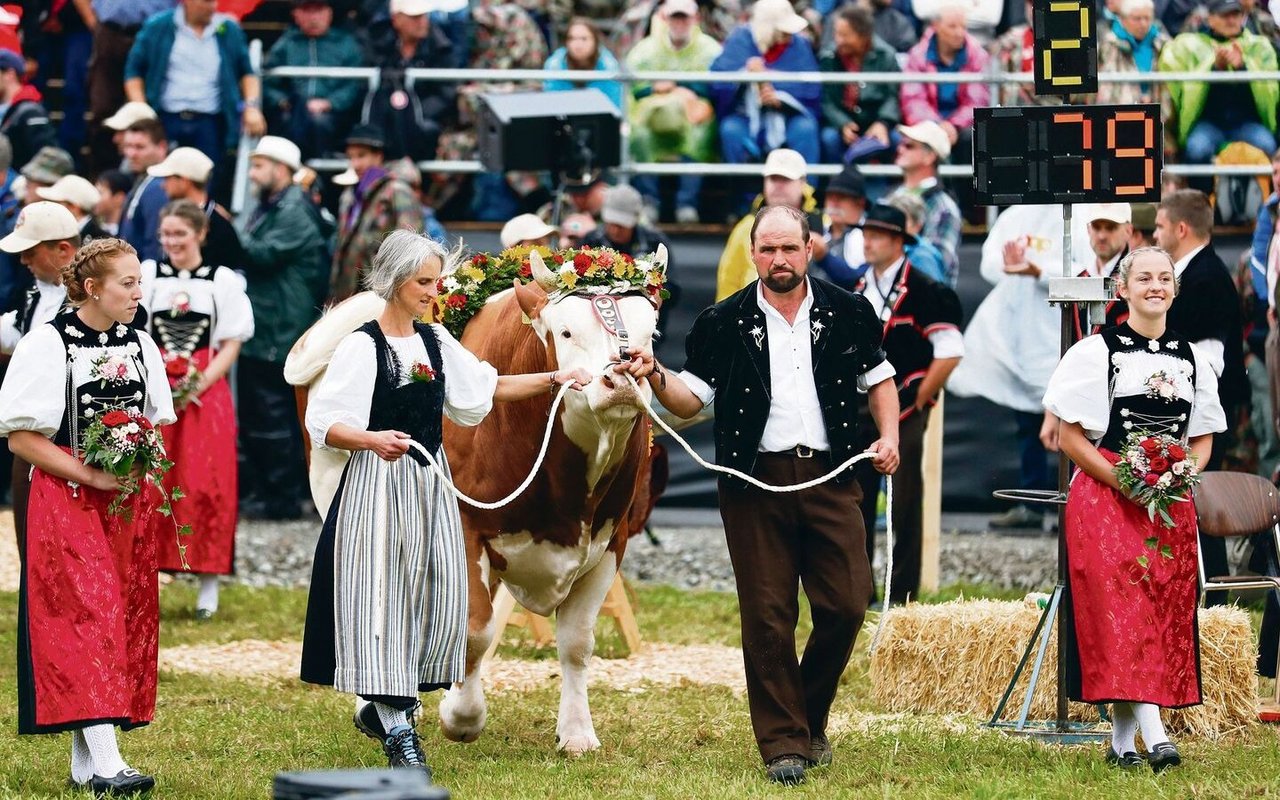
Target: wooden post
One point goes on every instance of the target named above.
(506, 612)
(931, 520)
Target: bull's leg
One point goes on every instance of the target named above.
(462, 711)
(575, 635)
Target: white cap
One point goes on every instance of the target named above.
(184, 162)
(787, 164)
(280, 150)
(128, 114)
(72, 189)
(40, 222)
(415, 8)
(347, 178)
(689, 7)
(931, 135)
(524, 228)
(777, 15)
(1119, 213)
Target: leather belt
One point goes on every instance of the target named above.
(187, 116)
(799, 451)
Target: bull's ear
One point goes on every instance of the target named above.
(661, 256)
(530, 299)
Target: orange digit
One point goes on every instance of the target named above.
(1086, 132)
(1148, 165)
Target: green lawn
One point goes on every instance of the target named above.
(225, 739)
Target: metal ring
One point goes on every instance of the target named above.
(1043, 496)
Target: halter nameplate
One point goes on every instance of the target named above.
(606, 308)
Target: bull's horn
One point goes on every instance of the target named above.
(544, 277)
(660, 257)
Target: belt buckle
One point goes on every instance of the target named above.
(804, 452)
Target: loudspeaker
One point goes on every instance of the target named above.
(565, 132)
(357, 784)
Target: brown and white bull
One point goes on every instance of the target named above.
(557, 546)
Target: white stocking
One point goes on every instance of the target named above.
(391, 718)
(101, 741)
(208, 599)
(1124, 727)
(81, 761)
(1148, 716)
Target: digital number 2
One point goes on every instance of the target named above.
(1066, 44)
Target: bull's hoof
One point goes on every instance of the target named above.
(458, 725)
(578, 744)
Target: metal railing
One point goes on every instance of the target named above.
(992, 77)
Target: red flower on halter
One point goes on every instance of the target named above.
(581, 263)
(114, 419)
(456, 300)
(525, 269)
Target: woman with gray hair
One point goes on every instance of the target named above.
(387, 614)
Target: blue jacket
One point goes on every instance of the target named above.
(140, 220)
(149, 60)
(612, 89)
(739, 47)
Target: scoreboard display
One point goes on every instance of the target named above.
(1066, 46)
(1038, 155)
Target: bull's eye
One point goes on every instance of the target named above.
(566, 334)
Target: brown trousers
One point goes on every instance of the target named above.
(778, 542)
(106, 92)
(908, 505)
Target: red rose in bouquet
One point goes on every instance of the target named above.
(115, 418)
(1176, 452)
(1159, 465)
(1151, 479)
(176, 368)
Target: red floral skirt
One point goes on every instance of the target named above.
(1135, 627)
(202, 447)
(88, 613)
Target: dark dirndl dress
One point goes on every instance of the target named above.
(387, 612)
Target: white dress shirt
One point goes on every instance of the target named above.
(795, 413)
(947, 341)
(51, 299)
(1213, 350)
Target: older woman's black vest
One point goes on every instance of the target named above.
(414, 408)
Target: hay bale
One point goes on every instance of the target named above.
(958, 657)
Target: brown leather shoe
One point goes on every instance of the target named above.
(787, 770)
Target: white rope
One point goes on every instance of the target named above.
(795, 487)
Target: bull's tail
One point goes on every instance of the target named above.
(311, 354)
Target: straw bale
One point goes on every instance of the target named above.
(958, 657)
(10, 572)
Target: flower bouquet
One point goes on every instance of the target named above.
(1156, 471)
(184, 379)
(124, 443)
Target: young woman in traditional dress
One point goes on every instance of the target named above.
(387, 616)
(199, 315)
(1133, 610)
(89, 606)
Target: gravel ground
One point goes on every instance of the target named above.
(689, 553)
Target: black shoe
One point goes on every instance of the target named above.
(368, 723)
(1162, 756)
(404, 749)
(1128, 760)
(126, 782)
(787, 770)
(820, 751)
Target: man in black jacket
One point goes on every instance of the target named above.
(411, 117)
(783, 359)
(25, 120)
(1206, 311)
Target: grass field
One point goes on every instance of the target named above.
(220, 738)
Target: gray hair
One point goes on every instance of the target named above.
(1126, 263)
(399, 258)
(909, 204)
(1127, 7)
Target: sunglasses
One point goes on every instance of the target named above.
(909, 144)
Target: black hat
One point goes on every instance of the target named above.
(583, 183)
(1225, 6)
(370, 136)
(888, 219)
(849, 183)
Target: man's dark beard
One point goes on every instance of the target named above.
(783, 282)
(263, 192)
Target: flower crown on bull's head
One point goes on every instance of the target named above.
(586, 270)
(600, 270)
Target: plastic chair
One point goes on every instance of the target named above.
(1231, 504)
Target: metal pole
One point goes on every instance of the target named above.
(1068, 329)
